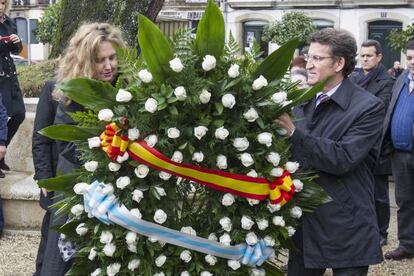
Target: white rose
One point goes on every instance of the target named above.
(131, 237)
(198, 156)
(233, 264)
(123, 96)
(212, 237)
(188, 230)
(185, 273)
(141, 171)
(253, 202)
(259, 83)
(246, 159)
(298, 185)
(209, 62)
(133, 134)
(291, 231)
(185, 256)
(151, 105)
(122, 182)
(210, 259)
(221, 133)
(113, 269)
(269, 241)
(228, 199)
(292, 167)
(108, 189)
(132, 248)
(151, 140)
(278, 221)
(265, 138)
(160, 260)
(257, 272)
(160, 191)
(145, 75)
(135, 212)
(109, 249)
(279, 97)
(225, 239)
(200, 131)
(114, 167)
(80, 188)
(96, 272)
(226, 224)
(205, 96)
(205, 273)
(296, 212)
(276, 172)
(173, 132)
(262, 224)
(159, 274)
(233, 71)
(106, 237)
(94, 142)
(221, 162)
(273, 158)
(160, 216)
(251, 115)
(176, 65)
(180, 93)
(77, 209)
(133, 264)
(105, 115)
(91, 166)
(122, 158)
(246, 223)
(152, 239)
(177, 156)
(241, 143)
(92, 254)
(251, 238)
(228, 101)
(164, 175)
(252, 173)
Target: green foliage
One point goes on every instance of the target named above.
(294, 25)
(397, 38)
(47, 27)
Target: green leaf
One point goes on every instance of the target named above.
(69, 133)
(210, 32)
(92, 94)
(173, 110)
(219, 107)
(155, 49)
(59, 183)
(276, 64)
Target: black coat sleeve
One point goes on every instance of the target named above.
(3, 123)
(43, 148)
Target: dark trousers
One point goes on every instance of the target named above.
(382, 203)
(403, 173)
(1, 216)
(13, 125)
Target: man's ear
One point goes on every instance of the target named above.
(379, 57)
(340, 61)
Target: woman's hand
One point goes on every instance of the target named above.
(15, 38)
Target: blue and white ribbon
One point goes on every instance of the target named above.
(106, 208)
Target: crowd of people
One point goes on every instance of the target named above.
(352, 133)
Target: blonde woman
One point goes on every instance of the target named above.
(91, 54)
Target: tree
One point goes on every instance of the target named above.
(398, 38)
(46, 29)
(293, 25)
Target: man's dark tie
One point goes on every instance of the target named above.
(321, 98)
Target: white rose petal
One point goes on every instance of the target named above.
(185, 256)
(291, 231)
(108, 189)
(114, 167)
(212, 237)
(269, 241)
(152, 239)
(298, 185)
(96, 272)
(279, 97)
(296, 212)
(265, 138)
(225, 239)
(160, 260)
(252, 173)
(141, 171)
(132, 248)
(221, 162)
(233, 71)
(122, 182)
(262, 224)
(122, 158)
(91, 166)
(160, 216)
(276, 172)
(160, 191)
(177, 156)
(131, 237)
(151, 105)
(180, 93)
(257, 272)
(159, 274)
(273, 158)
(109, 249)
(287, 103)
(251, 115)
(259, 83)
(226, 224)
(94, 142)
(80, 188)
(113, 269)
(251, 238)
(205, 96)
(145, 75)
(164, 175)
(221, 133)
(205, 273)
(151, 140)
(92, 254)
(173, 133)
(105, 115)
(123, 96)
(198, 156)
(133, 264)
(210, 259)
(188, 230)
(278, 221)
(136, 213)
(253, 202)
(176, 65)
(133, 134)
(228, 199)
(209, 63)
(77, 209)
(81, 229)
(233, 264)
(246, 159)
(106, 237)
(185, 273)
(292, 167)
(241, 143)
(200, 132)
(246, 223)
(228, 101)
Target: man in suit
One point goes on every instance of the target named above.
(399, 130)
(338, 135)
(373, 77)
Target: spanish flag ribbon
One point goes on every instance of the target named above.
(279, 191)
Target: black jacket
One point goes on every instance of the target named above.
(9, 85)
(3, 124)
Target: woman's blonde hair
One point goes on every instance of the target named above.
(8, 6)
(79, 58)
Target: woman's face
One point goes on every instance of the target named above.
(2, 7)
(106, 65)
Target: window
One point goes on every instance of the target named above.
(322, 24)
(33, 27)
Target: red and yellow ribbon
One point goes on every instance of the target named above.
(280, 191)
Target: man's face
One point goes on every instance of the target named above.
(321, 64)
(369, 58)
(410, 61)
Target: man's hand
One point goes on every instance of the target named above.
(286, 123)
(2, 151)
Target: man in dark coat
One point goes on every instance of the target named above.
(3, 137)
(373, 77)
(337, 134)
(399, 131)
